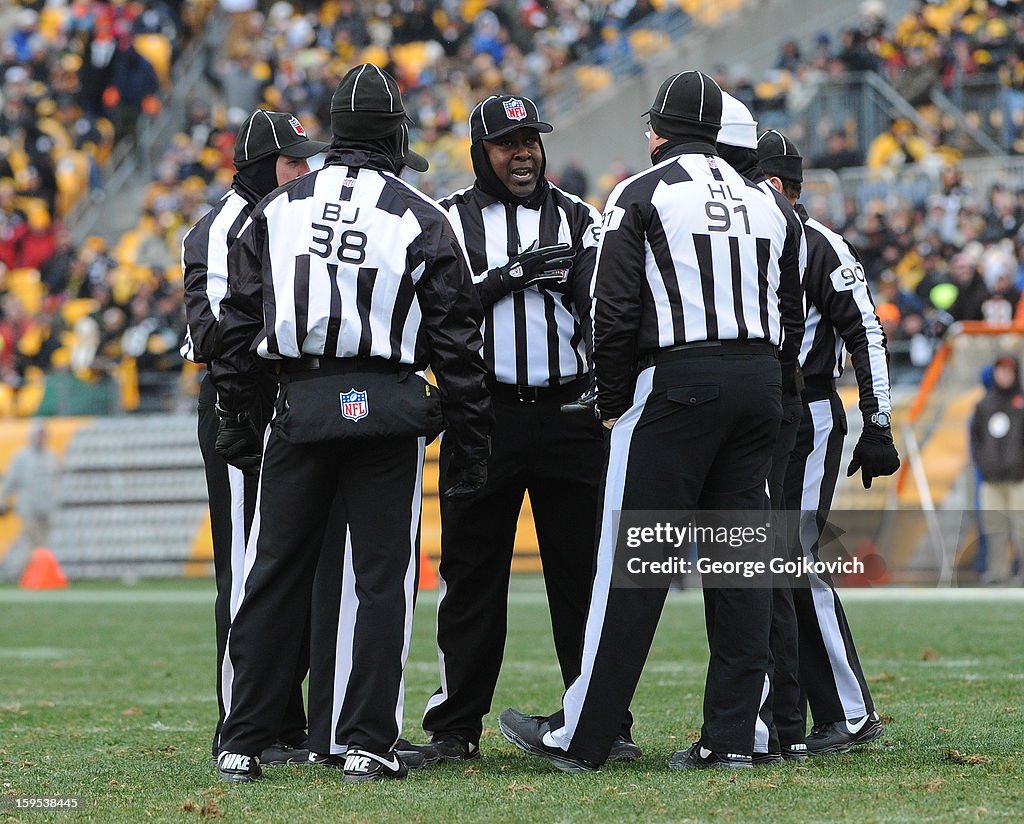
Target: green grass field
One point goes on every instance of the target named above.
(106, 693)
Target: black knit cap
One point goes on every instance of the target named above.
(367, 105)
(779, 157)
(688, 104)
(500, 114)
(272, 133)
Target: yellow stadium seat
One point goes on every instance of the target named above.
(72, 180)
(27, 401)
(157, 50)
(127, 247)
(645, 42)
(410, 58)
(74, 310)
(593, 78)
(24, 284)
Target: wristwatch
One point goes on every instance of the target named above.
(881, 420)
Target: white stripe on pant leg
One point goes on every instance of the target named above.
(236, 483)
(343, 642)
(242, 560)
(760, 728)
(410, 573)
(851, 697)
(439, 698)
(615, 484)
(254, 529)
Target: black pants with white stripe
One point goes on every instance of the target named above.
(782, 719)
(830, 670)
(556, 456)
(370, 492)
(699, 435)
(232, 505)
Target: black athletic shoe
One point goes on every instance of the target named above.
(454, 747)
(527, 733)
(363, 765)
(839, 736)
(701, 758)
(416, 756)
(327, 760)
(625, 749)
(794, 752)
(233, 766)
(281, 753)
(768, 759)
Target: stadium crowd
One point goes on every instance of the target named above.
(110, 312)
(941, 44)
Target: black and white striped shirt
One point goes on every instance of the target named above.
(537, 336)
(204, 265)
(352, 262)
(691, 251)
(841, 317)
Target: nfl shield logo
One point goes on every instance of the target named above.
(296, 126)
(353, 404)
(514, 109)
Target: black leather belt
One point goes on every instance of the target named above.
(336, 366)
(532, 394)
(709, 347)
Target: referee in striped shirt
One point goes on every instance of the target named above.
(344, 274)
(778, 736)
(271, 149)
(532, 248)
(840, 318)
(691, 299)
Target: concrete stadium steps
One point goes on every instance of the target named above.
(101, 487)
(132, 498)
(133, 503)
(126, 531)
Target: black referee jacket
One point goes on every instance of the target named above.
(352, 262)
(841, 318)
(538, 336)
(204, 264)
(691, 251)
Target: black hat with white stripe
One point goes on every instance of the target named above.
(779, 156)
(368, 105)
(500, 114)
(273, 133)
(688, 104)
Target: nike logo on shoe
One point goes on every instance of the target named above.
(235, 761)
(855, 727)
(359, 761)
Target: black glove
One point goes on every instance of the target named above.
(465, 480)
(874, 455)
(536, 265)
(587, 402)
(238, 442)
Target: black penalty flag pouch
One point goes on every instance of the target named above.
(355, 403)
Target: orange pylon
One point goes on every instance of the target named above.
(43, 571)
(428, 578)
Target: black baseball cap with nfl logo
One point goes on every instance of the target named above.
(273, 133)
(500, 114)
